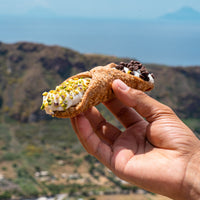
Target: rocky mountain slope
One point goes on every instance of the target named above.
(27, 69)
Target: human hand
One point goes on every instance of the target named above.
(156, 151)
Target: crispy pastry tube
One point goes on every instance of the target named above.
(99, 86)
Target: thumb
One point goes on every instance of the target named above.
(146, 106)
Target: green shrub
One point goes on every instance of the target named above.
(55, 189)
(90, 159)
(5, 195)
(9, 156)
(14, 165)
(4, 168)
(29, 189)
(78, 162)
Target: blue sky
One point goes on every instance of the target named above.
(133, 9)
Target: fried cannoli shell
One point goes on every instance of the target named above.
(100, 88)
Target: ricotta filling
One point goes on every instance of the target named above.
(138, 74)
(68, 94)
(137, 69)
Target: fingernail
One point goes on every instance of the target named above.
(122, 85)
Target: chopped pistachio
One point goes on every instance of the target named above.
(44, 93)
(76, 92)
(42, 107)
(57, 88)
(65, 95)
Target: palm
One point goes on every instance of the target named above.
(149, 153)
(134, 157)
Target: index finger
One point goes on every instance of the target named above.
(146, 106)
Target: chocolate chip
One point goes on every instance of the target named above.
(131, 68)
(146, 78)
(153, 75)
(142, 68)
(129, 65)
(142, 77)
(145, 73)
(135, 66)
(117, 67)
(120, 67)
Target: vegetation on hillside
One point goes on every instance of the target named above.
(27, 69)
(41, 155)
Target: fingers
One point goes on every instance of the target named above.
(91, 142)
(125, 114)
(146, 106)
(74, 125)
(106, 131)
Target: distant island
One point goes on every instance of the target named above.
(183, 14)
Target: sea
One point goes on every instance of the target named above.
(174, 43)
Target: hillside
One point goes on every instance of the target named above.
(27, 69)
(41, 155)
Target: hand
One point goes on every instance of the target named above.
(156, 151)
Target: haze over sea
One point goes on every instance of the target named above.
(150, 41)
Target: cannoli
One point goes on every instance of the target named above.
(84, 90)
